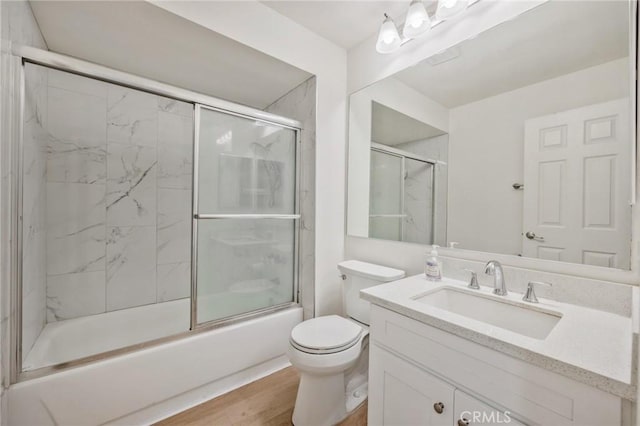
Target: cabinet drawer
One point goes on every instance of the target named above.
(469, 411)
(537, 395)
(401, 394)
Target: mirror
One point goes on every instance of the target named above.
(518, 141)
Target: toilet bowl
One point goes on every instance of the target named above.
(332, 352)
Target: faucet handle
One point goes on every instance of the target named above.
(530, 294)
(473, 283)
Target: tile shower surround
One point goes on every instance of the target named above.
(300, 104)
(118, 196)
(19, 26)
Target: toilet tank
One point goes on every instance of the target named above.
(357, 276)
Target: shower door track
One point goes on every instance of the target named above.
(27, 54)
(95, 71)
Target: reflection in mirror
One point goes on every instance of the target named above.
(517, 142)
(407, 171)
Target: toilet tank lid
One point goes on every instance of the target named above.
(370, 271)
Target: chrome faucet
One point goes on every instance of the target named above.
(495, 268)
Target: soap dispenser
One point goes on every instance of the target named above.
(433, 267)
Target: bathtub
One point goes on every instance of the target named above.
(76, 338)
(147, 385)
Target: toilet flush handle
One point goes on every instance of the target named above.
(342, 276)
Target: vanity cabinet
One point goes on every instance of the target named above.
(422, 375)
(403, 394)
(469, 411)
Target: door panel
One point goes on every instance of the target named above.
(577, 171)
(246, 216)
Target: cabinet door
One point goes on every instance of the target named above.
(469, 411)
(401, 394)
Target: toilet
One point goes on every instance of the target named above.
(332, 352)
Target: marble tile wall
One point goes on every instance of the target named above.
(34, 201)
(418, 202)
(119, 171)
(300, 104)
(18, 25)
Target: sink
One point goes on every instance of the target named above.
(513, 316)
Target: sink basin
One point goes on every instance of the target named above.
(519, 318)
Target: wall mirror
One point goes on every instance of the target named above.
(518, 141)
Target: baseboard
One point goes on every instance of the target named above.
(190, 399)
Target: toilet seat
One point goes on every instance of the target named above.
(325, 335)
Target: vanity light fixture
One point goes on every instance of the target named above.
(449, 8)
(388, 37)
(416, 23)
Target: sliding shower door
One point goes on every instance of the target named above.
(386, 196)
(419, 201)
(245, 216)
(401, 197)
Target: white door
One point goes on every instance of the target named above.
(577, 186)
(469, 411)
(401, 394)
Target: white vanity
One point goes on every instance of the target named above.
(444, 354)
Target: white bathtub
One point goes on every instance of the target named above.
(146, 385)
(76, 338)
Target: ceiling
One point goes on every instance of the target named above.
(554, 39)
(346, 23)
(390, 127)
(142, 39)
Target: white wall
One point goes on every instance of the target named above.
(480, 130)
(262, 28)
(393, 94)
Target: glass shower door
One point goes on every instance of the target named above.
(418, 202)
(385, 196)
(246, 218)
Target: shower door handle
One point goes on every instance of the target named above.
(245, 216)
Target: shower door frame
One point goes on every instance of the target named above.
(386, 149)
(22, 55)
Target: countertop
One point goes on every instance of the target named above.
(593, 347)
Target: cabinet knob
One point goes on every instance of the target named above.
(463, 422)
(439, 407)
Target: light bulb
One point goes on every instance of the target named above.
(417, 21)
(388, 37)
(449, 8)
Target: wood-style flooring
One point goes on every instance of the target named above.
(268, 401)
